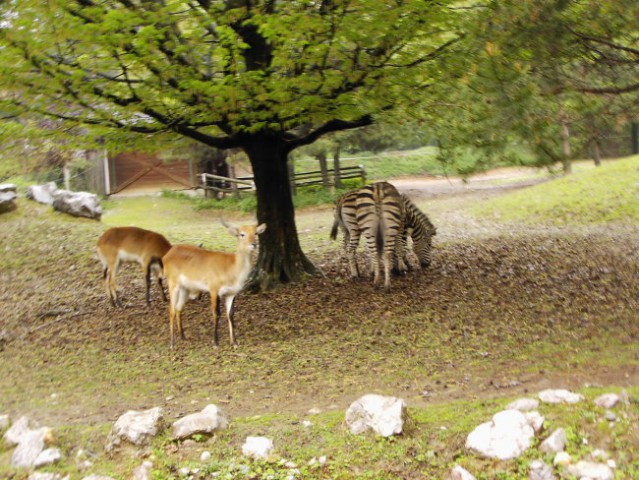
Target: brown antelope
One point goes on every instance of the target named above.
(132, 244)
(190, 269)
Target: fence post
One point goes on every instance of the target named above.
(236, 191)
(336, 168)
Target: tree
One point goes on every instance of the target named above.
(550, 73)
(267, 76)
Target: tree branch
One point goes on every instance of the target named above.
(328, 127)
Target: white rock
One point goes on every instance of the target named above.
(523, 404)
(42, 193)
(257, 447)
(562, 459)
(135, 427)
(47, 457)
(607, 400)
(539, 470)
(506, 436)
(560, 396)
(556, 442)
(205, 456)
(78, 204)
(383, 415)
(208, 420)
(97, 477)
(307, 423)
(460, 473)
(535, 420)
(19, 428)
(31, 445)
(594, 471)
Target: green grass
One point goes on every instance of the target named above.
(606, 194)
(432, 443)
(383, 165)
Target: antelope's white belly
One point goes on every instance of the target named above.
(125, 256)
(192, 285)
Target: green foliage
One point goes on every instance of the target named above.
(598, 195)
(532, 81)
(216, 70)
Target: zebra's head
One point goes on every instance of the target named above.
(423, 247)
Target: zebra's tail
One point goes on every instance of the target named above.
(334, 229)
(379, 236)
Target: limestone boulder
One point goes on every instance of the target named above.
(383, 415)
(136, 427)
(506, 436)
(42, 193)
(8, 194)
(77, 204)
(211, 418)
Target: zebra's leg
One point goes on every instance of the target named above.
(353, 241)
(387, 258)
(400, 262)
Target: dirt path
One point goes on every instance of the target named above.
(489, 183)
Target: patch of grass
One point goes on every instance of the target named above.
(597, 195)
(384, 165)
(432, 443)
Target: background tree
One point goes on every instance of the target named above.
(547, 73)
(266, 76)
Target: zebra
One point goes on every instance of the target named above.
(379, 217)
(345, 219)
(416, 225)
(421, 230)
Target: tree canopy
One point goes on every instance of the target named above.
(266, 76)
(554, 74)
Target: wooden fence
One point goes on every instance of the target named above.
(218, 186)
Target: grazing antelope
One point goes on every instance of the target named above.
(190, 269)
(132, 244)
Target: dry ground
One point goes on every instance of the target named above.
(503, 310)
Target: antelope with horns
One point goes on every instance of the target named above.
(132, 244)
(190, 269)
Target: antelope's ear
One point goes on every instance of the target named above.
(260, 228)
(231, 229)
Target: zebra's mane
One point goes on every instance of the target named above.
(420, 216)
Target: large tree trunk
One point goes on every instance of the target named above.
(280, 259)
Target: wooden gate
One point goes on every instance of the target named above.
(145, 173)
